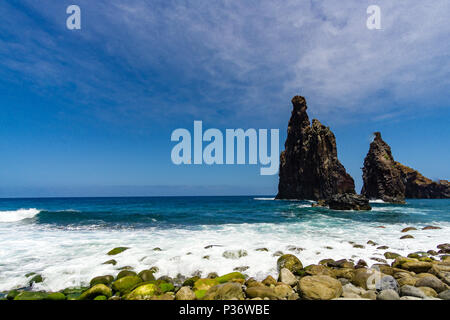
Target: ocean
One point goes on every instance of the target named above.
(66, 240)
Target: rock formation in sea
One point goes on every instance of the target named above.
(418, 186)
(309, 166)
(392, 181)
(381, 177)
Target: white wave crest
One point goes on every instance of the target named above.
(17, 215)
(262, 199)
(376, 201)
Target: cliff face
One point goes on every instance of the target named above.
(309, 167)
(418, 186)
(391, 181)
(381, 177)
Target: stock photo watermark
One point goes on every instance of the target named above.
(73, 21)
(235, 147)
(374, 19)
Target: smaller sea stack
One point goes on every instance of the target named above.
(381, 177)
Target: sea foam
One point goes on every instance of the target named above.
(17, 215)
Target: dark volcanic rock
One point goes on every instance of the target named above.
(348, 201)
(382, 179)
(309, 167)
(418, 186)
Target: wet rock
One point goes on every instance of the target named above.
(226, 291)
(319, 288)
(287, 277)
(241, 269)
(382, 179)
(112, 261)
(116, 251)
(143, 292)
(126, 273)
(146, 275)
(269, 280)
(230, 277)
(56, 296)
(417, 266)
(234, 254)
(212, 275)
(431, 282)
(388, 295)
(205, 284)
(36, 279)
(411, 291)
(262, 249)
(348, 201)
(157, 249)
(185, 293)
(101, 298)
(429, 292)
(97, 290)
(106, 280)
(372, 243)
(445, 295)
(431, 228)
(318, 269)
(290, 262)
(309, 167)
(31, 295)
(407, 237)
(190, 281)
(383, 247)
(261, 292)
(408, 229)
(283, 291)
(126, 283)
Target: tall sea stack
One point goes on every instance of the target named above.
(309, 167)
(381, 177)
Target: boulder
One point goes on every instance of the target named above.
(429, 292)
(287, 277)
(445, 295)
(417, 266)
(269, 280)
(205, 284)
(319, 287)
(126, 283)
(261, 292)
(97, 290)
(116, 251)
(229, 277)
(234, 254)
(143, 292)
(411, 291)
(283, 291)
(388, 294)
(146, 275)
(348, 201)
(290, 262)
(126, 273)
(106, 280)
(408, 229)
(31, 295)
(225, 291)
(56, 296)
(431, 282)
(185, 293)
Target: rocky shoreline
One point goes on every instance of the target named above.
(418, 276)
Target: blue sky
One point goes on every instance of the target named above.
(90, 111)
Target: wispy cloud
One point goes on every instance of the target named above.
(232, 60)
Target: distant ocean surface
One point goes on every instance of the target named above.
(66, 239)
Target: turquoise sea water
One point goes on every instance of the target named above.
(66, 239)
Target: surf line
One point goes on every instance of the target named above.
(236, 139)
